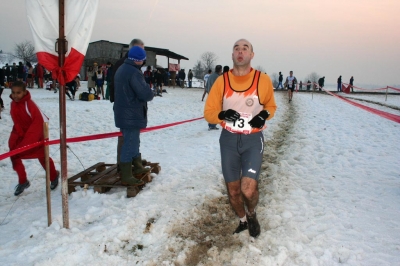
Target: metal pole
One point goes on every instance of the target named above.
(63, 129)
(387, 88)
(47, 164)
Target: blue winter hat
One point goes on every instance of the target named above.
(136, 53)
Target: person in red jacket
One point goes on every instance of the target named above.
(28, 128)
(40, 75)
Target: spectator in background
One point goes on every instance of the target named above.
(40, 75)
(95, 67)
(130, 113)
(226, 69)
(8, 72)
(210, 82)
(182, 77)
(20, 72)
(300, 85)
(29, 79)
(351, 83)
(72, 86)
(339, 84)
(91, 83)
(166, 76)
(321, 82)
(118, 64)
(148, 75)
(14, 72)
(280, 79)
(308, 85)
(190, 78)
(100, 83)
(109, 79)
(177, 79)
(206, 76)
(158, 79)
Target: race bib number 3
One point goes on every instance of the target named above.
(241, 125)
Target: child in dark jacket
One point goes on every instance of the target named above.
(28, 128)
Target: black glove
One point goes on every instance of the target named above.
(229, 115)
(259, 120)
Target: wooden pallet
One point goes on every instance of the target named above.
(102, 177)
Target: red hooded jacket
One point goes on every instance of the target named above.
(28, 127)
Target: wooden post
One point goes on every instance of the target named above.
(387, 88)
(312, 91)
(62, 50)
(47, 164)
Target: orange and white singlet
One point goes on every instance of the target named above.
(246, 103)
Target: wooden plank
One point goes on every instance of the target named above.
(109, 179)
(87, 171)
(91, 180)
(132, 191)
(101, 189)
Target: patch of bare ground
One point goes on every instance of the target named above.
(206, 236)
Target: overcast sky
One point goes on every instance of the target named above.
(359, 38)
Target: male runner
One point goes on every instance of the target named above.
(242, 99)
(290, 83)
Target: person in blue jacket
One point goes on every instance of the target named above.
(130, 112)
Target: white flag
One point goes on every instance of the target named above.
(80, 16)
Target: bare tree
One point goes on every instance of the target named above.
(313, 77)
(208, 59)
(275, 80)
(25, 51)
(199, 70)
(206, 62)
(261, 69)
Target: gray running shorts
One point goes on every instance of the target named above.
(241, 155)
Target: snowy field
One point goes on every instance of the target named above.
(329, 191)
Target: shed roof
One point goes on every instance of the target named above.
(157, 51)
(165, 52)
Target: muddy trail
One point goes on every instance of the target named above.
(206, 235)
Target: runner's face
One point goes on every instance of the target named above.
(242, 53)
(17, 93)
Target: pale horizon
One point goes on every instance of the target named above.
(358, 38)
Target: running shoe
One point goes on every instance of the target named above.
(242, 226)
(254, 226)
(54, 183)
(21, 187)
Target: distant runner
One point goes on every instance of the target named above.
(290, 83)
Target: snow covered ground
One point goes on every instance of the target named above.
(329, 192)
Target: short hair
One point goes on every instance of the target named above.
(251, 45)
(19, 84)
(218, 68)
(135, 42)
(226, 69)
(209, 71)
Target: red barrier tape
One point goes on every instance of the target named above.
(91, 137)
(393, 88)
(380, 89)
(395, 118)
